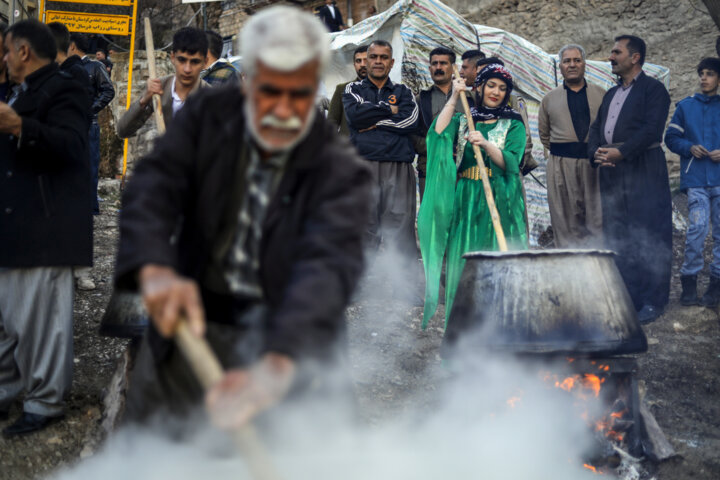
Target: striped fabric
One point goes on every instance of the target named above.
(415, 27)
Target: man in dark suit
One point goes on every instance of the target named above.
(336, 112)
(331, 16)
(625, 143)
(45, 226)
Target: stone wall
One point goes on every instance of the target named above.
(142, 142)
(678, 32)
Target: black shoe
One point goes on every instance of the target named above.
(28, 423)
(689, 290)
(648, 314)
(711, 299)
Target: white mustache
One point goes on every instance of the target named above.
(292, 123)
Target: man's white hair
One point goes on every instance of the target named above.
(571, 46)
(283, 38)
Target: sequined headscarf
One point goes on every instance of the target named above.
(482, 113)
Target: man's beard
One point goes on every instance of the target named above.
(362, 73)
(271, 120)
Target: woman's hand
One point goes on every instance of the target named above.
(458, 87)
(476, 138)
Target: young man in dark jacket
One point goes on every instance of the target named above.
(45, 226)
(382, 115)
(102, 92)
(273, 204)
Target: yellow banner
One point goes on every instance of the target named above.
(91, 23)
(117, 3)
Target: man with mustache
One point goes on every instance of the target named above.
(246, 219)
(625, 143)
(189, 55)
(431, 102)
(336, 112)
(382, 115)
(563, 122)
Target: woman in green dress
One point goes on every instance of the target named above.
(454, 217)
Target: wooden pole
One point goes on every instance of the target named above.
(157, 101)
(208, 371)
(131, 59)
(502, 243)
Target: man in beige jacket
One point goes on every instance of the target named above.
(564, 120)
(189, 55)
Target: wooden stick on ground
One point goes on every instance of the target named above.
(208, 371)
(499, 233)
(157, 101)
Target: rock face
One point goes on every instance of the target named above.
(142, 142)
(678, 32)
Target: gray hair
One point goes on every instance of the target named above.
(571, 46)
(283, 38)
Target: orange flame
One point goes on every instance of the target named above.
(512, 401)
(591, 468)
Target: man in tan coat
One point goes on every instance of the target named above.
(189, 55)
(564, 120)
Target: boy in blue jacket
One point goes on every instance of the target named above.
(694, 134)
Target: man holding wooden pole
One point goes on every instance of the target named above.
(189, 53)
(273, 206)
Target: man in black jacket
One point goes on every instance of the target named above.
(269, 250)
(45, 226)
(431, 102)
(382, 115)
(331, 16)
(102, 92)
(72, 64)
(625, 142)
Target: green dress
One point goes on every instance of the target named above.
(454, 217)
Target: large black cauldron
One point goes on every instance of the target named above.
(547, 302)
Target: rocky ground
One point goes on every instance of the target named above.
(396, 366)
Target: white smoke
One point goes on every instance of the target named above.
(471, 432)
(481, 417)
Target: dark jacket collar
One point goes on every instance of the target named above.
(706, 98)
(70, 61)
(388, 84)
(40, 76)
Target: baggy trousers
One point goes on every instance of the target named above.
(574, 201)
(393, 208)
(36, 337)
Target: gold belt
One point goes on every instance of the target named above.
(473, 173)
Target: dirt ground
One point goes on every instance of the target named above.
(396, 365)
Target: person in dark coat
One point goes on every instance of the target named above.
(336, 112)
(45, 226)
(269, 250)
(625, 143)
(331, 16)
(102, 92)
(71, 64)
